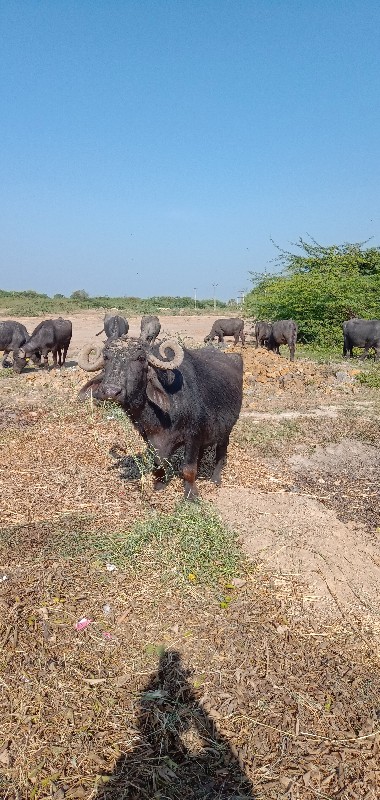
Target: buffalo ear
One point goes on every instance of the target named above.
(21, 353)
(156, 392)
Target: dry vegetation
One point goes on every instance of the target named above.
(200, 675)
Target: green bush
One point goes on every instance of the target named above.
(319, 288)
(371, 378)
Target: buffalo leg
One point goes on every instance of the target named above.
(44, 355)
(65, 349)
(162, 453)
(242, 336)
(5, 362)
(189, 470)
(292, 348)
(220, 455)
(54, 354)
(365, 353)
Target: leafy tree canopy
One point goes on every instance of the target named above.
(79, 294)
(319, 287)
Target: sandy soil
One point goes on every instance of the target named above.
(87, 324)
(298, 537)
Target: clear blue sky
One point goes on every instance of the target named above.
(151, 146)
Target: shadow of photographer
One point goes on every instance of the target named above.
(179, 755)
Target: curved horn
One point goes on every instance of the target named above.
(84, 362)
(174, 362)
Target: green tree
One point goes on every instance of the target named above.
(319, 287)
(79, 294)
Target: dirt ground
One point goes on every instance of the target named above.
(273, 692)
(86, 326)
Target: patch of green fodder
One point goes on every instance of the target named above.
(192, 541)
(370, 377)
(7, 372)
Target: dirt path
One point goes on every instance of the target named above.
(297, 537)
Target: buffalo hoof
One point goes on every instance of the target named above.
(158, 486)
(191, 494)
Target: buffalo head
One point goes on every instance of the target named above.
(128, 375)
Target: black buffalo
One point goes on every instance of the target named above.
(114, 326)
(192, 399)
(263, 331)
(12, 336)
(150, 328)
(50, 336)
(361, 333)
(227, 327)
(284, 331)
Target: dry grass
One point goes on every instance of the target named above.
(262, 701)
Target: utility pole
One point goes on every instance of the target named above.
(195, 296)
(214, 285)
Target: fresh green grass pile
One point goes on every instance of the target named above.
(192, 544)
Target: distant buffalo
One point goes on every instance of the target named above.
(284, 331)
(50, 336)
(263, 331)
(150, 328)
(361, 333)
(227, 327)
(114, 326)
(12, 336)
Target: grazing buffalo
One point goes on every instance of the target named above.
(361, 333)
(193, 399)
(12, 336)
(227, 327)
(263, 331)
(150, 328)
(284, 331)
(114, 326)
(50, 336)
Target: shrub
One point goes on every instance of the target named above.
(319, 287)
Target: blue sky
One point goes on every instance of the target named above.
(151, 146)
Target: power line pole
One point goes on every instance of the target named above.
(195, 296)
(214, 285)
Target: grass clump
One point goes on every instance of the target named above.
(6, 372)
(190, 545)
(370, 378)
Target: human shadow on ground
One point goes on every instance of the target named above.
(179, 754)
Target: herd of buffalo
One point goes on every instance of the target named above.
(175, 396)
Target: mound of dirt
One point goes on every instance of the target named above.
(263, 366)
(297, 536)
